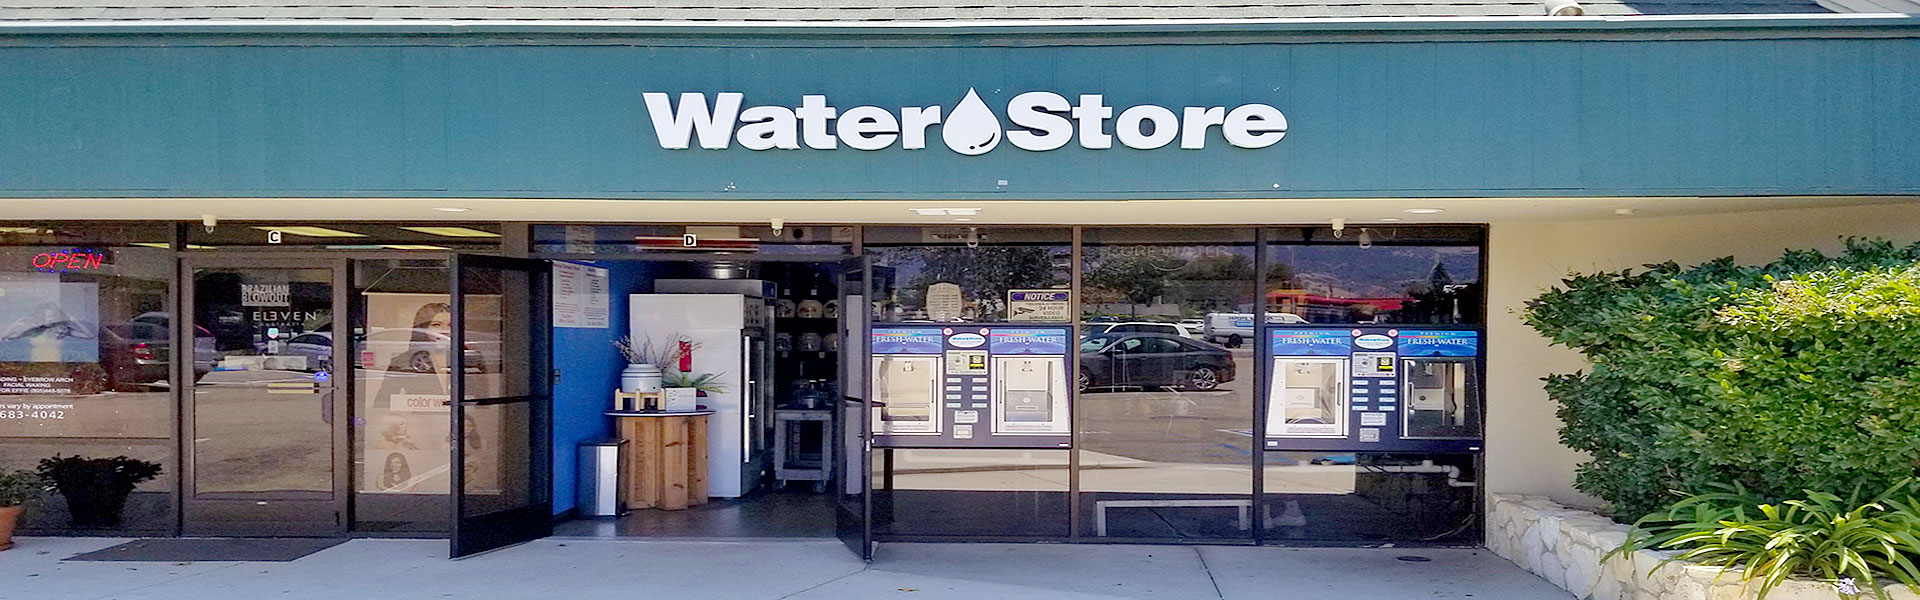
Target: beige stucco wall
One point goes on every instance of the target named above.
(1524, 455)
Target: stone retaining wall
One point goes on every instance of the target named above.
(1564, 546)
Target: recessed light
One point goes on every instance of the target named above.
(452, 208)
(1390, 219)
(946, 212)
(461, 232)
(962, 219)
(1426, 211)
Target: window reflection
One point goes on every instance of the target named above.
(1164, 417)
(962, 274)
(1421, 275)
(86, 351)
(402, 334)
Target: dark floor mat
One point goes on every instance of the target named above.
(211, 549)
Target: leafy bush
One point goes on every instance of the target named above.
(18, 487)
(96, 488)
(1852, 542)
(1803, 374)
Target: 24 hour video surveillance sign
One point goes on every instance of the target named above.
(1041, 121)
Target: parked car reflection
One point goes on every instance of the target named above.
(1151, 360)
(423, 350)
(139, 353)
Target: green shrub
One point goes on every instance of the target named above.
(1803, 374)
(19, 487)
(1852, 542)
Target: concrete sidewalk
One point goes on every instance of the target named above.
(572, 569)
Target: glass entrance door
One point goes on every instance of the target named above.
(266, 452)
(853, 440)
(502, 377)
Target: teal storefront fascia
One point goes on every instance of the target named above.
(1738, 107)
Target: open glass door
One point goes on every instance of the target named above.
(501, 376)
(853, 480)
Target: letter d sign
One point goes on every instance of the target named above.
(689, 241)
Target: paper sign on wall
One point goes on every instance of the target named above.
(580, 296)
(944, 302)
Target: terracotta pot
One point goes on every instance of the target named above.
(9, 517)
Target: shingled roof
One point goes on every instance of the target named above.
(869, 11)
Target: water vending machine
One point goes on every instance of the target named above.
(1373, 388)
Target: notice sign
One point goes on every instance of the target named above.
(1039, 306)
(580, 296)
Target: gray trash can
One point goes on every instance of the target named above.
(603, 478)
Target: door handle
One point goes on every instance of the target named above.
(326, 406)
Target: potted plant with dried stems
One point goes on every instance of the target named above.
(16, 489)
(96, 488)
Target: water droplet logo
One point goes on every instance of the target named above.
(971, 129)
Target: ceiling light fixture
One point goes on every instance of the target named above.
(945, 212)
(452, 208)
(1426, 211)
(459, 232)
(1390, 220)
(308, 231)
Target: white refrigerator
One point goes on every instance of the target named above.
(731, 332)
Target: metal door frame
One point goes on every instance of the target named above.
(211, 517)
(854, 525)
(481, 533)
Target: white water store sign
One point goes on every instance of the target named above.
(1043, 121)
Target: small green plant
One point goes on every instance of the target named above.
(18, 487)
(706, 383)
(1850, 542)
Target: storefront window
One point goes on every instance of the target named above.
(1164, 416)
(967, 274)
(1375, 275)
(401, 337)
(952, 492)
(1387, 276)
(85, 358)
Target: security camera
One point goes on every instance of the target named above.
(209, 221)
(1339, 227)
(778, 225)
(1564, 8)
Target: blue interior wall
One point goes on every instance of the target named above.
(1640, 113)
(589, 371)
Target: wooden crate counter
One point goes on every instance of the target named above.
(666, 458)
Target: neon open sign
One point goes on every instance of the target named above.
(69, 260)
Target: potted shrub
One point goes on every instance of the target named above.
(680, 390)
(96, 488)
(16, 488)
